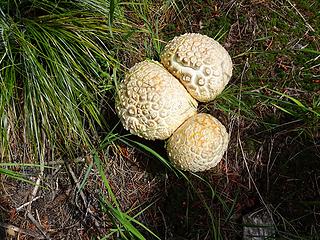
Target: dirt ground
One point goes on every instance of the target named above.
(272, 161)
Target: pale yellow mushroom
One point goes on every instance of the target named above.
(152, 103)
(201, 64)
(198, 144)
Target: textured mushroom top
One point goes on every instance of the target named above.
(198, 144)
(152, 103)
(202, 65)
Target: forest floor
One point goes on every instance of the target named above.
(271, 109)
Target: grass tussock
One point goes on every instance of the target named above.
(58, 60)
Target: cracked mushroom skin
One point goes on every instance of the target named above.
(152, 103)
(201, 64)
(198, 144)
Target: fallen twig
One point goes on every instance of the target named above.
(305, 21)
(37, 224)
(40, 176)
(83, 197)
(27, 203)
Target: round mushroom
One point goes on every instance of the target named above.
(152, 103)
(201, 64)
(198, 144)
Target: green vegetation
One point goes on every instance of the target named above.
(48, 86)
(60, 63)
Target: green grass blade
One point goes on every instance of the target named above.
(132, 219)
(85, 178)
(308, 50)
(111, 11)
(123, 219)
(105, 181)
(283, 109)
(150, 151)
(15, 175)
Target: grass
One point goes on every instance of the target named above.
(56, 65)
(125, 228)
(60, 64)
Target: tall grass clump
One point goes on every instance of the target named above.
(57, 62)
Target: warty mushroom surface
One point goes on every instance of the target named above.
(152, 103)
(202, 65)
(198, 144)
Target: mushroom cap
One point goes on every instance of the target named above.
(198, 144)
(152, 103)
(202, 65)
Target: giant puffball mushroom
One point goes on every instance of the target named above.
(152, 103)
(202, 65)
(198, 144)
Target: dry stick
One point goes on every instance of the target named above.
(11, 229)
(36, 188)
(27, 204)
(305, 21)
(37, 224)
(254, 183)
(246, 66)
(61, 161)
(165, 223)
(75, 179)
(40, 176)
(83, 197)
